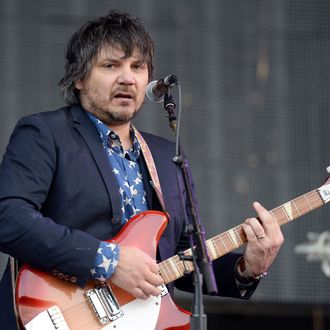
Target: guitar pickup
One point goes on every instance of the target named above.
(50, 319)
(104, 303)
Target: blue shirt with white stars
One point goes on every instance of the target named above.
(124, 164)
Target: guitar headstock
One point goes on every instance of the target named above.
(324, 190)
(327, 180)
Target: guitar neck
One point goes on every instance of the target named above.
(217, 246)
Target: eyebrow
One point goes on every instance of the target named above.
(140, 59)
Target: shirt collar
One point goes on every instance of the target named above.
(106, 133)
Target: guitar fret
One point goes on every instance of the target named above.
(303, 205)
(179, 265)
(315, 199)
(174, 266)
(300, 205)
(183, 265)
(164, 272)
(230, 239)
(210, 249)
(164, 275)
(216, 247)
(240, 228)
(286, 212)
(169, 268)
(294, 204)
(188, 264)
(220, 246)
(280, 215)
(233, 238)
(308, 203)
(272, 213)
(227, 241)
(223, 243)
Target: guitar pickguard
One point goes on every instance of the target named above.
(138, 315)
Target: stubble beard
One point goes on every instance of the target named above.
(104, 113)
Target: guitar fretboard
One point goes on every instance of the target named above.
(217, 246)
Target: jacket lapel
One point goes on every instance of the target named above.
(89, 134)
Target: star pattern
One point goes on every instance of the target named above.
(125, 166)
(105, 261)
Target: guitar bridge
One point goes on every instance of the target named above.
(104, 303)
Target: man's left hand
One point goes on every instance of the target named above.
(264, 238)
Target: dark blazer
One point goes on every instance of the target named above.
(58, 199)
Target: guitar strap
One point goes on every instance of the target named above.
(151, 167)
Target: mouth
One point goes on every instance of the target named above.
(124, 96)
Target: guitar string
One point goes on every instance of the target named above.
(72, 316)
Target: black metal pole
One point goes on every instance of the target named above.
(203, 270)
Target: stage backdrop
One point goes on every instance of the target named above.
(255, 84)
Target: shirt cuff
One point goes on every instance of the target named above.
(105, 261)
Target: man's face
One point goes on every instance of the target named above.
(114, 90)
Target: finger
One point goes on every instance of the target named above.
(261, 211)
(266, 219)
(138, 293)
(257, 228)
(149, 289)
(154, 279)
(154, 267)
(249, 232)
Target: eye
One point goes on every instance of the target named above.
(109, 65)
(140, 66)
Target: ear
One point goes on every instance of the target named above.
(78, 84)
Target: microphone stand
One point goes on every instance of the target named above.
(203, 270)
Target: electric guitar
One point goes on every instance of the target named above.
(46, 303)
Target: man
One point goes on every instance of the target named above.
(71, 178)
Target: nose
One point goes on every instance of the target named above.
(126, 77)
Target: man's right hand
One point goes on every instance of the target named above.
(137, 273)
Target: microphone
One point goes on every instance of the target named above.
(156, 89)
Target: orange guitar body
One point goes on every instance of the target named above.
(37, 291)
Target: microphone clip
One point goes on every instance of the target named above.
(169, 107)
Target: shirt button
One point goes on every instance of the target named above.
(112, 136)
